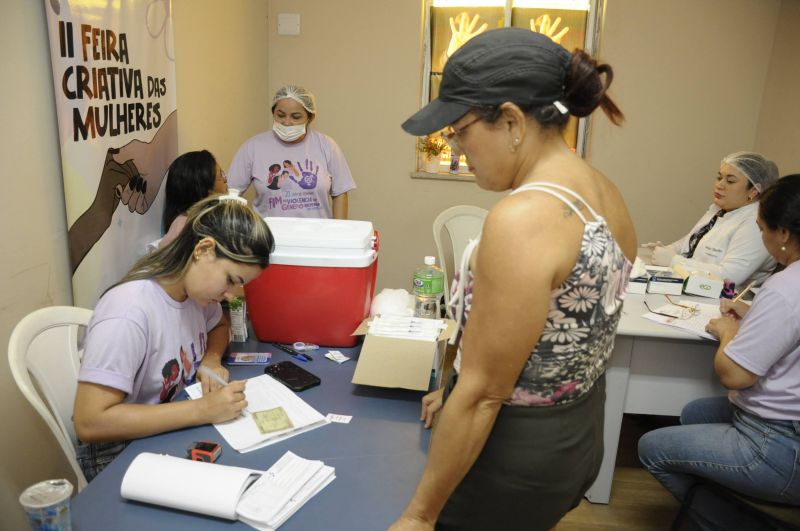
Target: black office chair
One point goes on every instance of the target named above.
(773, 516)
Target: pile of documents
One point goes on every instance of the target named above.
(282, 490)
(263, 500)
(274, 413)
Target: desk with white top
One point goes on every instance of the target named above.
(656, 370)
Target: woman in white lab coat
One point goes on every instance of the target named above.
(726, 241)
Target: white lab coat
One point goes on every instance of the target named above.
(733, 246)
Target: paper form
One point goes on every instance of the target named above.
(263, 393)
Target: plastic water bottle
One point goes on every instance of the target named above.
(428, 289)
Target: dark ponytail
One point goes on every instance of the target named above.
(585, 89)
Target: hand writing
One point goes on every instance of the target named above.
(225, 403)
(723, 327)
(734, 309)
(208, 382)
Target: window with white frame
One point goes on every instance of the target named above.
(450, 23)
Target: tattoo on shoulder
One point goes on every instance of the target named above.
(568, 211)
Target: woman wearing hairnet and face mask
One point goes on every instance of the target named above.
(726, 241)
(316, 177)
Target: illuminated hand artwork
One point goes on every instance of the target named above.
(547, 26)
(463, 32)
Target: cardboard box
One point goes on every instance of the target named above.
(404, 363)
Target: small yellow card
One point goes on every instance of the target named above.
(271, 420)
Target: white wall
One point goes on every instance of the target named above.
(696, 79)
(221, 73)
(689, 76)
(778, 132)
(35, 269)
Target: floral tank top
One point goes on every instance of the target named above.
(578, 336)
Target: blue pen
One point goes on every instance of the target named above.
(295, 354)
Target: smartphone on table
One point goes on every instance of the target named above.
(292, 376)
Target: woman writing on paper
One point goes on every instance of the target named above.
(296, 171)
(151, 332)
(520, 436)
(726, 240)
(748, 441)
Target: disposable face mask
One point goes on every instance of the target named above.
(288, 133)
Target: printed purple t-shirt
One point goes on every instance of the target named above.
(144, 343)
(768, 345)
(291, 180)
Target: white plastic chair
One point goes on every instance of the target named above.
(461, 223)
(45, 355)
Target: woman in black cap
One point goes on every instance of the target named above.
(520, 438)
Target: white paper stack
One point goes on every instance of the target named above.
(282, 490)
(263, 393)
(222, 491)
(406, 327)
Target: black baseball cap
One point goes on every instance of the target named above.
(500, 65)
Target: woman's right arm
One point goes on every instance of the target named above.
(240, 172)
(101, 415)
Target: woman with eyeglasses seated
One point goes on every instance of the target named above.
(152, 331)
(726, 241)
(520, 436)
(748, 441)
(191, 177)
(315, 179)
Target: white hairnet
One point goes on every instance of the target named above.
(762, 173)
(298, 94)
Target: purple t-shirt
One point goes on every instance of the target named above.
(768, 345)
(144, 343)
(291, 180)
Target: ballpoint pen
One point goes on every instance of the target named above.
(217, 378)
(302, 356)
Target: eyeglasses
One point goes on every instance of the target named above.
(223, 175)
(680, 311)
(451, 132)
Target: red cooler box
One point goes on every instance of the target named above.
(319, 283)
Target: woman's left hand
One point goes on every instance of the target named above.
(208, 383)
(723, 327)
(406, 523)
(662, 256)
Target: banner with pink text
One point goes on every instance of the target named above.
(114, 80)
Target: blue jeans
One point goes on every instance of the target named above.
(728, 446)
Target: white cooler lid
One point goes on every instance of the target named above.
(322, 242)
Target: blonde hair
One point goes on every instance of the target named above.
(239, 234)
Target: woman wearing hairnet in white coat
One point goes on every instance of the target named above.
(726, 241)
